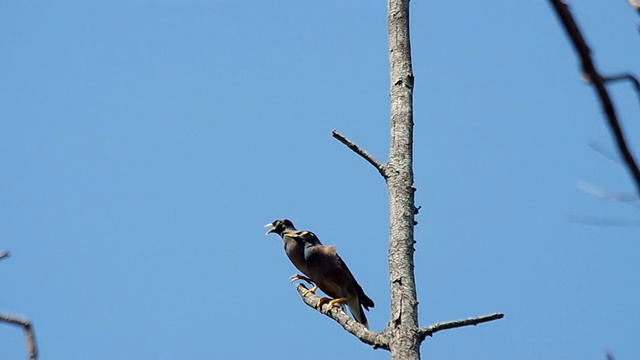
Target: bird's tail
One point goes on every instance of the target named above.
(357, 311)
(364, 299)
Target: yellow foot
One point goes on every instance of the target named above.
(336, 303)
(300, 277)
(312, 290)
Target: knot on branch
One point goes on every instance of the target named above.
(406, 81)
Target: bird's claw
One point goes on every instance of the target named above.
(335, 304)
(312, 291)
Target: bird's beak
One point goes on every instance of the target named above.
(270, 225)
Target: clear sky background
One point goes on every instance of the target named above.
(144, 145)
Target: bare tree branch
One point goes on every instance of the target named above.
(625, 77)
(590, 72)
(430, 330)
(26, 325)
(4, 254)
(363, 153)
(377, 340)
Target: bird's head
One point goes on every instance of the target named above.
(279, 226)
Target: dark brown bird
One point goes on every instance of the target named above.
(293, 247)
(330, 273)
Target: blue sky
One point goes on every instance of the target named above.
(144, 145)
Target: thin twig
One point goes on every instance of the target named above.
(599, 193)
(377, 340)
(604, 152)
(430, 330)
(590, 72)
(382, 168)
(26, 325)
(627, 199)
(626, 77)
(4, 254)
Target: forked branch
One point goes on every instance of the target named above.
(382, 168)
(26, 325)
(430, 330)
(625, 77)
(377, 340)
(592, 75)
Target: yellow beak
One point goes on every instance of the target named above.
(270, 230)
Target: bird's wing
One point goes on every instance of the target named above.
(350, 279)
(341, 274)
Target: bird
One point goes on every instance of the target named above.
(293, 247)
(330, 273)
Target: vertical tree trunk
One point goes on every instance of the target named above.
(402, 336)
(404, 342)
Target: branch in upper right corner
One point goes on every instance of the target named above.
(598, 81)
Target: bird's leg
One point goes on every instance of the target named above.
(312, 290)
(300, 277)
(339, 302)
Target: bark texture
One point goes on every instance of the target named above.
(405, 342)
